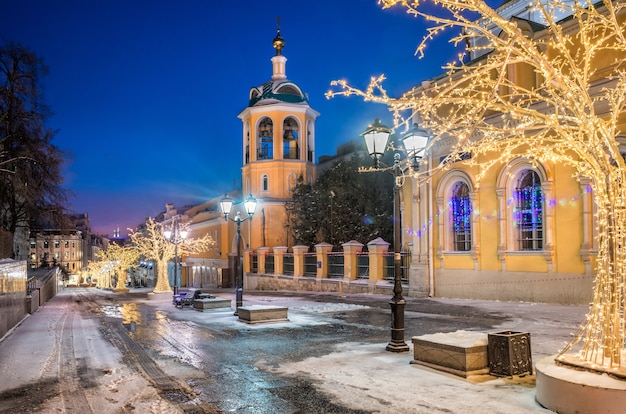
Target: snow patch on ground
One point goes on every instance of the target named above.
(330, 307)
(353, 377)
(461, 339)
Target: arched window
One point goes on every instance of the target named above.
(265, 182)
(461, 211)
(265, 140)
(291, 134)
(455, 197)
(247, 156)
(310, 142)
(528, 212)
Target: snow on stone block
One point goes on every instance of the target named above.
(211, 303)
(462, 353)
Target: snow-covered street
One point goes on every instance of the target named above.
(100, 352)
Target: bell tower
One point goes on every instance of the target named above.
(278, 149)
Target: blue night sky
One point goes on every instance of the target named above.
(145, 93)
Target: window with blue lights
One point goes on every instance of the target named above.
(529, 211)
(461, 218)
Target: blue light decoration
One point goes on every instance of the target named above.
(461, 213)
(531, 205)
(535, 196)
(461, 217)
(529, 212)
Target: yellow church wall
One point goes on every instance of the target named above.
(526, 262)
(458, 261)
(568, 221)
(486, 209)
(525, 286)
(565, 207)
(274, 216)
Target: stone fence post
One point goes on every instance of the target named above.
(279, 259)
(322, 250)
(376, 249)
(298, 260)
(350, 267)
(261, 254)
(247, 260)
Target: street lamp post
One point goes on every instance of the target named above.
(415, 141)
(250, 205)
(175, 236)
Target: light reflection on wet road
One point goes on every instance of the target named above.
(221, 364)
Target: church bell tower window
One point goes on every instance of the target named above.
(265, 143)
(291, 146)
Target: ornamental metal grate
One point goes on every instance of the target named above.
(254, 263)
(288, 264)
(363, 265)
(388, 266)
(269, 263)
(335, 265)
(310, 264)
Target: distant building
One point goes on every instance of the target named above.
(71, 248)
(64, 248)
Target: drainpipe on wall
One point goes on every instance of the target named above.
(263, 227)
(431, 267)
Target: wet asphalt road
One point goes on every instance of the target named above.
(205, 362)
(220, 365)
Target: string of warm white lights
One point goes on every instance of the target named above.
(553, 95)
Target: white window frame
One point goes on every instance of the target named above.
(508, 181)
(265, 179)
(446, 223)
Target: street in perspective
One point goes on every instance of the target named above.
(90, 350)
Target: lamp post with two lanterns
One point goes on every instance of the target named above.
(415, 142)
(175, 235)
(250, 205)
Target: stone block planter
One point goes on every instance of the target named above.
(262, 314)
(211, 303)
(461, 353)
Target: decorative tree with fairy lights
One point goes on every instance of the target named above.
(152, 244)
(570, 111)
(117, 259)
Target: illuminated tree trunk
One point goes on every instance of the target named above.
(162, 282)
(121, 279)
(603, 331)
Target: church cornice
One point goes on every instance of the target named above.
(279, 107)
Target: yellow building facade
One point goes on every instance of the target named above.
(525, 232)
